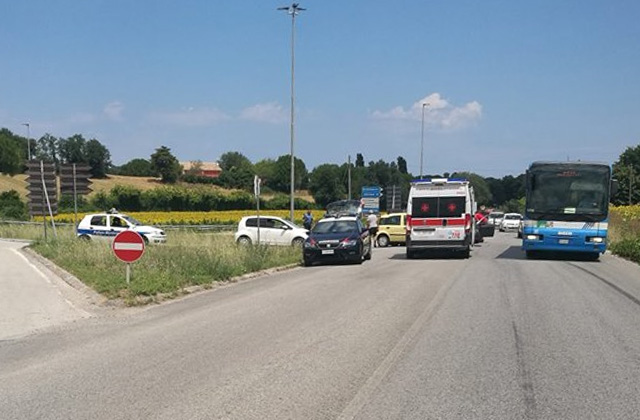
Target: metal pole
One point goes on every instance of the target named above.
(349, 175)
(422, 141)
(75, 202)
(293, 10)
(128, 274)
(44, 212)
(46, 195)
(293, 78)
(630, 183)
(28, 141)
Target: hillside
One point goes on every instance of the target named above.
(18, 183)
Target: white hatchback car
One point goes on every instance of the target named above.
(273, 231)
(108, 225)
(511, 221)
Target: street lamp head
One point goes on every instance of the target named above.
(294, 9)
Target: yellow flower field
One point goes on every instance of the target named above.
(627, 213)
(197, 217)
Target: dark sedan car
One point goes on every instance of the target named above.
(336, 239)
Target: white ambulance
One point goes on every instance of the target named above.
(440, 216)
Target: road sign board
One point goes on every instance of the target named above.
(39, 202)
(81, 174)
(128, 246)
(371, 192)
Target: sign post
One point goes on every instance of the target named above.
(128, 246)
(371, 199)
(256, 191)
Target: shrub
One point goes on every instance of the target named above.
(12, 207)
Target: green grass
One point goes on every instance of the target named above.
(187, 259)
(33, 232)
(624, 237)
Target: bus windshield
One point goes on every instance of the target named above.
(578, 192)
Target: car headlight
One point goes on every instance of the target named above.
(310, 243)
(349, 243)
(533, 237)
(595, 239)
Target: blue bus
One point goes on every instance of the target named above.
(567, 208)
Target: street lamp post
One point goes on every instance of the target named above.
(424, 105)
(292, 10)
(28, 141)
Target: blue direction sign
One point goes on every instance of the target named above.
(371, 198)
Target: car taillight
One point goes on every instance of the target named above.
(467, 222)
(408, 223)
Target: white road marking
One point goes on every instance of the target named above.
(124, 246)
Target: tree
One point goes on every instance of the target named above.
(359, 161)
(137, 167)
(11, 206)
(72, 149)
(402, 165)
(98, 158)
(627, 172)
(10, 155)
(164, 163)
(47, 149)
(480, 187)
(229, 160)
(281, 179)
(325, 184)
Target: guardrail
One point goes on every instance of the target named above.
(208, 228)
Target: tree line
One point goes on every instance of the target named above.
(326, 182)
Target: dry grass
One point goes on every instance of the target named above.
(16, 182)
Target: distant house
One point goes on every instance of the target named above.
(208, 169)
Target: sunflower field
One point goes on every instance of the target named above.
(192, 218)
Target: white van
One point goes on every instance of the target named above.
(440, 216)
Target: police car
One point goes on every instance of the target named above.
(108, 225)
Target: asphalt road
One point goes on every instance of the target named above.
(492, 337)
(31, 297)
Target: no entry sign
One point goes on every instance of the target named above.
(128, 246)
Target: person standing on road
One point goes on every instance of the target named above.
(307, 220)
(372, 225)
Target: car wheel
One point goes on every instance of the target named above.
(297, 242)
(367, 256)
(532, 254)
(306, 262)
(86, 238)
(145, 239)
(383, 241)
(466, 253)
(410, 254)
(244, 240)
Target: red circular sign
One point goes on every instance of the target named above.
(128, 246)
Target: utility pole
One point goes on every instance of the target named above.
(630, 184)
(292, 10)
(28, 141)
(349, 176)
(424, 105)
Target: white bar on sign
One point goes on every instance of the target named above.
(124, 246)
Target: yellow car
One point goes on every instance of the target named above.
(392, 229)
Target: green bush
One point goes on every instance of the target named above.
(12, 207)
(627, 248)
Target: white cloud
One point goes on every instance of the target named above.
(113, 110)
(190, 117)
(271, 112)
(438, 113)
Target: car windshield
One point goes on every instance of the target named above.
(512, 217)
(336, 226)
(496, 215)
(131, 220)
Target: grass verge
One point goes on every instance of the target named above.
(624, 232)
(188, 259)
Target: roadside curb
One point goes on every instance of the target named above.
(93, 298)
(96, 299)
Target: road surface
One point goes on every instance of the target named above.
(31, 297)
(492, 337)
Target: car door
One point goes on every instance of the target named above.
(98, 226)
(279, 233)
(396, 232)
(116, 225)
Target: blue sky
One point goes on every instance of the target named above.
(506, 82)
